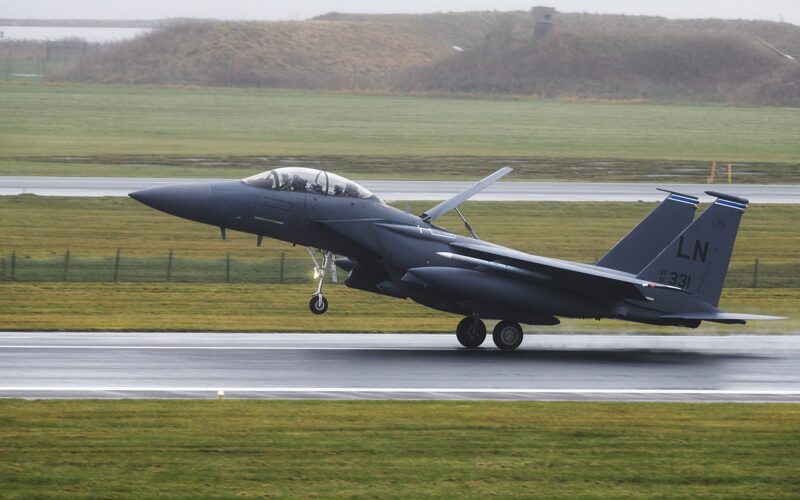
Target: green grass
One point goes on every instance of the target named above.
(39, 121)
(184, 449)
(284, 308)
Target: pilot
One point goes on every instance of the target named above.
(337, 190)
(285, 182)
(298, 183)
(351, 191)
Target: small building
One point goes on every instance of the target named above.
(543, 21)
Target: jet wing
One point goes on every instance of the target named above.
(447, 205)
(722, 317)
(589, 280)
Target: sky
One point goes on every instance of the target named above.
(772, 10)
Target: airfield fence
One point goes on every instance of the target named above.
(168, 268)
(171, 268)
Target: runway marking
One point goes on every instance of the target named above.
(240, 348)
(538, 348)
(385, 390)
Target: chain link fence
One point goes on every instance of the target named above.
(226, 269)
(163, 269)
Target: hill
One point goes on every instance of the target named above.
(316, 54)
(587, 56)
(469, 29)
(710, 66)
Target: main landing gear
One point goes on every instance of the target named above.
(507, 335)
(318, 303)
(471, 332)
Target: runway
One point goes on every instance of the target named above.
(425, 190)
(398, 366)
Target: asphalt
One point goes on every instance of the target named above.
(425, 190)
(398, 366)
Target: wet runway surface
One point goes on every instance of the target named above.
(398, 366)
(425, 190)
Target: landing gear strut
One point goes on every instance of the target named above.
(318, 303)
(507, 335)
(471, 332)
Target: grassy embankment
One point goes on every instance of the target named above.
(594, 56)
(46, 227)
(227, 133)
(397, 449)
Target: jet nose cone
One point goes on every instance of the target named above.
(190, 201)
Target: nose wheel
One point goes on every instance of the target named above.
(318, 303)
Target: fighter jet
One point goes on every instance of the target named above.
(669, 270)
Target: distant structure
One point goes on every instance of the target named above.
(543, 21)
(66, 50)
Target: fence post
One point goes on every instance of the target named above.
(66, 265)
(13, 264)
(228, 267)
(169, 266)
(116, 267)
(755, 274)
(283, 262)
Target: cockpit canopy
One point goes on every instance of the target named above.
(308, 180)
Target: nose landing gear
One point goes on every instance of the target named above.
(318, 303)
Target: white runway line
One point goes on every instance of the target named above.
(233, 348)
(384, 390)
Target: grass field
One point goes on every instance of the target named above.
(147, 130)
(194, 449)
(284, 308)
(41, 227)
(47, 226)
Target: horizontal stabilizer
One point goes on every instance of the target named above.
(447, 205)
(723, 317)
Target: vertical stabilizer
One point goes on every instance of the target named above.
(697, 260)
(645, 241)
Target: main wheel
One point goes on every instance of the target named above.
(471, 332)
(507, 335)
(318, 304)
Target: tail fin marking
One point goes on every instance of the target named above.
(697, 260)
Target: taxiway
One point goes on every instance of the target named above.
(426, 190)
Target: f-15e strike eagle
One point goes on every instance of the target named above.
(669, 270)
